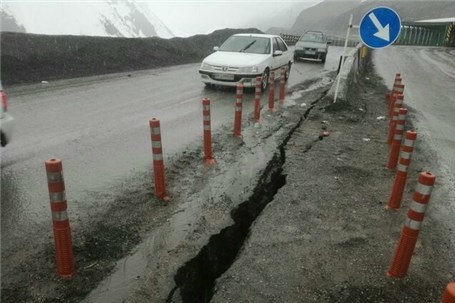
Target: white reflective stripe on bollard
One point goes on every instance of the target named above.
(59, 215)
(418, 207)
(157, 157)
(155, 130)
(156, 144)
(408, 142)
(54, 177)
(412, 224)
(57, 197)
(424, 189)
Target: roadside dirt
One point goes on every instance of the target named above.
(310, 209)
(326, 236)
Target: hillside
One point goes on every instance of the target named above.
(332, 16)
(27, 58)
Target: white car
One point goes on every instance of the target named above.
(243, 57)
(6, 120)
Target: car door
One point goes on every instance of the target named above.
(276, 60)
(285, 58)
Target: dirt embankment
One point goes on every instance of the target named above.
(28, 58)
(326, 236)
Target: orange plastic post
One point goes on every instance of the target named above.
(398, 89)
(397, 103)
(449, 294)
(257, 100)
(158, 161)
(272, 91)
(408, 239)
(66, 267)
(207, 131)
(282, 84)
(397, 137)
(402, 170)
(238, 111)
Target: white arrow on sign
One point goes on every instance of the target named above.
(383, 32)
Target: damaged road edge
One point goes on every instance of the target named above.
(196, 279)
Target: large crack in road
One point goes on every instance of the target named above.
(196, 279)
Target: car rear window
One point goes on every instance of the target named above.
(313, 37)
(246, 44)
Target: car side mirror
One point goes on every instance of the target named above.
(216, 48)
(277, 53)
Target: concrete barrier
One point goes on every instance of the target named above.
(348, 75)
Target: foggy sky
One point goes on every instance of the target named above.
(191, 17)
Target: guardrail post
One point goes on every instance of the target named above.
(61, 226)
(207, 131)
(272, 91)
(158, 160)
(411, 228)
(238, 111)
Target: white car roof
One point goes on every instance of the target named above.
(257, 35)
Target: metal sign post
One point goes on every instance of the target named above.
(342, 60)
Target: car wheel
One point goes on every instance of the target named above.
(288, 71)
(3, 140)
(209, 85)
(296, 58)
(265, 79)
(323, 58)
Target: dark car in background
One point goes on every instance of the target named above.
(312, 45)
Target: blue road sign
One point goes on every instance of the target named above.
(379, 27)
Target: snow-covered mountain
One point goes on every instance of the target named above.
(114, 18)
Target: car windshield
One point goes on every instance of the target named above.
(246, 44)
(313, 37)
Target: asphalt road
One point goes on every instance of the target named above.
(99, 127)
(429, 78)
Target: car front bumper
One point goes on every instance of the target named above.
(248, 80)
(309, 54)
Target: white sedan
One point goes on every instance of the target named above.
(243, 57)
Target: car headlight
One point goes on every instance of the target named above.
(322, 50)
(249, 69)
(206, 66)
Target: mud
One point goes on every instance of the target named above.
(285, 215)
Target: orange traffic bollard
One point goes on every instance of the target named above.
(207, 131)
(397, 137)
(272, 91)
(449, 294)
(158, 161)
(257, 100)
(398, 89)
(398, 102)
(238, 111)
(396, 81)
(402, 170)
(411, 228)
(62, 231)
(282, 84)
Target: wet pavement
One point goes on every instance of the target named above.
(99, 127)
(428, 74)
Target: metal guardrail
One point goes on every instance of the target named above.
(291, 39)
